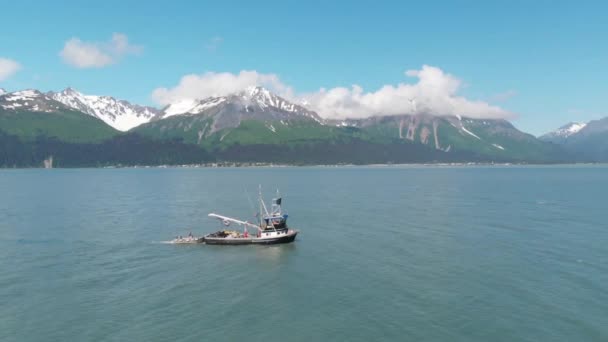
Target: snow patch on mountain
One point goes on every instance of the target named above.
(2, 91)
(571, 128)
(564, 132)
(470, 133)
(119, 114)
(188, 106)
(251, 99)
(263, 98)
(271, 127)
(179, 107)
(22, 95)
(28, 99)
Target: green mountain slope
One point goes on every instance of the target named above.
(29, 114)
(486, 140)
(200, 130)
(259, 118)
(65, 124)
(124, 149)
(492, 140)
(501, 139)
(257, 126)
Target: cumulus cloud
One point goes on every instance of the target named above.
(218, 84)
(435, 92)
(82, 54)
(8, 68)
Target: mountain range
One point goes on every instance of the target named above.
(255, 125)
(586, 141)
(119, 114)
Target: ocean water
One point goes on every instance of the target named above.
(403, 253)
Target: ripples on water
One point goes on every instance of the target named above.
(385, 253)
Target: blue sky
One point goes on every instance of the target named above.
(544, 61)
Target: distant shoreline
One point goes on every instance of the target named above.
(272, 165)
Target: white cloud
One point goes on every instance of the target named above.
(8, 68)
(218, 84)
(97, 54)
(435, 93)
(84, 55)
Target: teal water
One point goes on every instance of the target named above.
(385, 253)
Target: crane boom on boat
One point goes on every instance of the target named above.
(230, 219)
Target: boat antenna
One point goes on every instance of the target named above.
(260, 200)
(262, 204)
(276, 204)
(250, 202)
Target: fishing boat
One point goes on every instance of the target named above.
(270, 229)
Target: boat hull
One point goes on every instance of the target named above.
(287, 238)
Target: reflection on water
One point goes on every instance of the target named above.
(274, 253)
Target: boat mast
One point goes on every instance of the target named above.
(260, 200)
(262, 206)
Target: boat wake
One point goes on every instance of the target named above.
(190, 239)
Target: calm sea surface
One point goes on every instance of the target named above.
(384, 253)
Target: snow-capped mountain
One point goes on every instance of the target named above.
(253, 102)
(119, 114)
(254, 124)
(2, 91)
(29, 100)
(256, 116)
(563, 133)
(569, 129)
(198, 120)
(586, 141)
